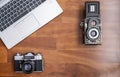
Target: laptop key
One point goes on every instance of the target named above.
(16, 9)
(20, 16)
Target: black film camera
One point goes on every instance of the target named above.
(92, 23)
(28, 63)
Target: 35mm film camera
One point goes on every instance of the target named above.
(92, 23)
(28, 63)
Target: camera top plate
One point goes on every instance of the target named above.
(92, 9)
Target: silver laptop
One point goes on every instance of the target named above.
(20, 18)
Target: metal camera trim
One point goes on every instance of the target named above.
(92, 22)
(20, 58)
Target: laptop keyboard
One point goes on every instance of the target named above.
(16, 9)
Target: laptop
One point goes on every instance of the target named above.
(20, 18)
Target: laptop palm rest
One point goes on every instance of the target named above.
(27, 26)
(20, 31)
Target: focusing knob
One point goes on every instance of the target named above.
(82, 24)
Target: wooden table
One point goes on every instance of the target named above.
(61, 43)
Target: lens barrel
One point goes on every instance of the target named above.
(28, 67)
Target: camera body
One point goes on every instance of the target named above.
(92, 23)
(28, 63)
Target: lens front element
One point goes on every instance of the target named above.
(93, 33)
(27, 67)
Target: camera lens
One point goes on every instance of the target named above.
(93, 23)
(27, 67)
(93, 33)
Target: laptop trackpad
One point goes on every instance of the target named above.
(27, 26)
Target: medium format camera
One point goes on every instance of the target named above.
(28, 63)
(92, 23)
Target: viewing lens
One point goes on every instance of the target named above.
(93, 23)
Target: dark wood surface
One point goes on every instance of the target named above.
(61, 43)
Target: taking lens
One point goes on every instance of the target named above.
(27, 67)
(93, 33)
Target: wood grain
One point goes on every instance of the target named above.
(61, 43)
